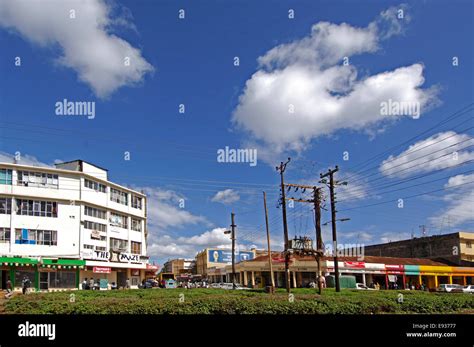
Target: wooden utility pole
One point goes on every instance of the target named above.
(317, 197)
(330, 173)
(268, 242)
(232, 215)
(319, 239)
(281, 169)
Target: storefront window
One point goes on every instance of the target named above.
(62, 279)
(21, 274)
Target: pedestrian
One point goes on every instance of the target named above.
(84, 284)
(127, 283)
(25, 284)
(9, 290)
(91, 283)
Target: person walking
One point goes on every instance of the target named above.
(25, 284)
(91, 284)
(9, 290)
(127, 283)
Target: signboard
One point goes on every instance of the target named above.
(101, 270)
(135, 272)
(354, 264)
(129, 258)
(225, 256)
(394, 269)
(104, 284)
(95, 234)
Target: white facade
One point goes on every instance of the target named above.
(68, 212)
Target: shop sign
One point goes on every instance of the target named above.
(95, 234)
(129, 258)
(354, 264)
(101, 255)
(394, 269)
(101, 270)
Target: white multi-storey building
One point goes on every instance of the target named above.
(59, 226)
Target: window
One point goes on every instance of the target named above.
(37, 208)
(5, 176)
(4, 235)
(468, 244)
(88, 247)
(136, 224)
(100, 248)
(95, 212)
(137, 202)
(98, 187)
(94, 226)
(36, 237)
(62, 279)
(136, 247)
(118, 245)
(37, 179)
(118, 196)
(118, 220)
(21, 275)
(5, 205)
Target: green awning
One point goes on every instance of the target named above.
(17, 260)
(64, 262)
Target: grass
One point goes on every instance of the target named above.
(216, 301)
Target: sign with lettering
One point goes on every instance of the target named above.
(101, 270)
(129, 258)
(224, 256)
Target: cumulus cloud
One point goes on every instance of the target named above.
(302, 90)
(459, 207)
(168, 246)
(440, 151)
(226, 197)
(166, 209)
(22, 159)
(86, 42)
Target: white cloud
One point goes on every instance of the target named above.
(227, 196)
(440, 151)
(164, 209)
(394, 236)
(459, 206)
(23, 159)
(302, 91)
(168, 246)
(87, 43)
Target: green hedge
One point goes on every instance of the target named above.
(198, 301)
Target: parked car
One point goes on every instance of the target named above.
(450, 288)
(216, 285)
(362, 286)
(468, 289)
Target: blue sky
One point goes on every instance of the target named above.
(190, 61)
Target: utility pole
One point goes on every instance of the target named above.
(316, 201)
(281, 169)
(268, 242)
(232, 226)
(319, 239)
(331, 173)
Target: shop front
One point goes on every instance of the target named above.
(42, 274)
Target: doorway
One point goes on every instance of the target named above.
(43, 280)
(4, 277)
(121, 279)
